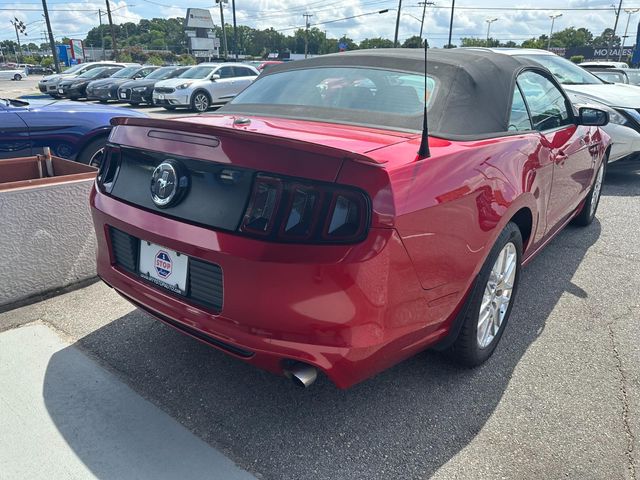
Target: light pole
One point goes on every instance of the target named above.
(489, 22)
(553, 20)
(453, 7)
(629, 12)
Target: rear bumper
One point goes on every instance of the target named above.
(351, 311)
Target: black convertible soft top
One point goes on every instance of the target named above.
(476, 87)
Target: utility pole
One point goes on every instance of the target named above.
(306, 16)
(20, 27)
(52, 43)
(615, 26)
(424, 10)
(629, 12)
(224, 31)
(101, 34)
(453, 6)
(114, 45)
(395, 37)
(235, 29)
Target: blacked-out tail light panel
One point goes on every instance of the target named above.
(292, 210)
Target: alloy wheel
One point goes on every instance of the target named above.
(497, 295)
(201, 102)
(597, 190)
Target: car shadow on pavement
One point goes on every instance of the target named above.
(623, 178)
(404, 423)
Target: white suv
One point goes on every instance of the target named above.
(204, 85)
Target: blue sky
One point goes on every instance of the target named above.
(76, 18)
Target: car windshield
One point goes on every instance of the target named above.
(343, 94)
(566, 72)
(161, 73)
(197, 72)
(75, 68)
(126, 72)
(608, 76)
(94, 72)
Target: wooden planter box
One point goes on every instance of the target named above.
(46, 233)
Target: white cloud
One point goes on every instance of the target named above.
(517, 25)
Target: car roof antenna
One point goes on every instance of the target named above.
(423, 151)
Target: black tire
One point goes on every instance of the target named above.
(200, 101)
(169, 108)
(590, 207)
(90, 154)
(103, 101)
(466, 349)
(134, 104)
(17, 77)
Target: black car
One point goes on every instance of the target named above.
(141, 91)
(76, 88)
(107, 89)
(38, 70)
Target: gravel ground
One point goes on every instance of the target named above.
(559, 399)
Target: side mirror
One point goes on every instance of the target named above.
(592, 117)
(215, 77)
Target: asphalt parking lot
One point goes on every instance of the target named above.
(560, 398)
(29, 87)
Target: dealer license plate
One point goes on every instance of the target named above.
(123, 95)
(163, 266)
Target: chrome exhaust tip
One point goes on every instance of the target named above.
(301, 374)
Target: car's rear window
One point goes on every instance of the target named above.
(343, 94)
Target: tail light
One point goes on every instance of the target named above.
(288, 210)
(108, 168)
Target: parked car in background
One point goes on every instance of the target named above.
(603, 64)
(74, 131)
(76, 87)
(610, 75)
(107, 89)
(38, 70)
(302, 233)
(49, 84)
(16, 74)
(204, 85)
(622, 102)
(633, 74)
(141, 91)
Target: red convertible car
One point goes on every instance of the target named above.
(305, 229)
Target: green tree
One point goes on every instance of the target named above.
(47, 62)
(571, 37)
(377, 42)
(413, 42)
(602, 40)
(479, 42)
(186, 59)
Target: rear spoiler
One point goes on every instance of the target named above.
(202, 134)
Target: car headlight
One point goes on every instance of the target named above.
(616, 117)
(183, 86)
(139, 89)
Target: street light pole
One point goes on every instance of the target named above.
(306, 16)
(553, 19)
(629, 12)
(489, 22)
(224, 31)
(395, 37)
(52, 43)
(114, 45)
